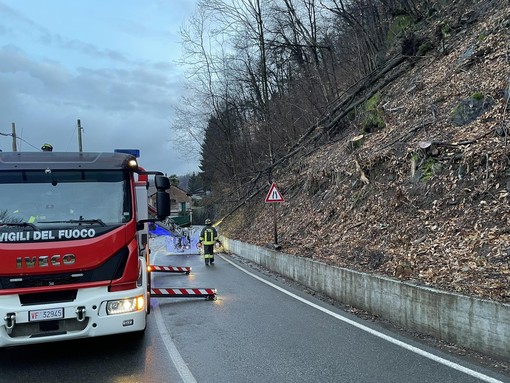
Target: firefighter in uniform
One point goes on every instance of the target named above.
(208, 238)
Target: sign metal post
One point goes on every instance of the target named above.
(274, 196)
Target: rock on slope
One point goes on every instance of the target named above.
(425, 198)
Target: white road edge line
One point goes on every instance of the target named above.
(179, 363)
(175, 356)
(397, 342)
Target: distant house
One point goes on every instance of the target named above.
(180, 204)
(180, 201)
(199, 195)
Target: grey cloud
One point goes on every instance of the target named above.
(127, 105)
(133, 89)
(47, 38)
(13, 15)
(140, 88)
(92, 50)
(23, 77)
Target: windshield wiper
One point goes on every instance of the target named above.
(22, 224)
(78, 221)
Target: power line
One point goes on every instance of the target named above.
(19, 138)
(28, 143)
(8, 135)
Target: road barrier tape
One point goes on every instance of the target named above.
(178, 292)
(170, 269)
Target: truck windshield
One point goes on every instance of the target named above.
(48, 197)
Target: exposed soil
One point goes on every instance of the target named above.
(427, 197)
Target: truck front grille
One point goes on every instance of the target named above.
(43, 329)
(40, 280)
(113, 268)
(48, 297)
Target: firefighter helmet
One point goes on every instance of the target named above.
(47, 148)
(207, 221)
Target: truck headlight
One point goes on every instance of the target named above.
(122, 306)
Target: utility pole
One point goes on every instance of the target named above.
(14, 146)
(80, 147)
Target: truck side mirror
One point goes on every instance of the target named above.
(162, 182)
(162, 197)
(162, 205)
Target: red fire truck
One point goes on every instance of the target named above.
(74, 245)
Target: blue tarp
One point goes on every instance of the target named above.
(160, 231)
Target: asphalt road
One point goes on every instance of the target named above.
(260, 329)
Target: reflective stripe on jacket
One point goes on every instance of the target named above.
(208, 236)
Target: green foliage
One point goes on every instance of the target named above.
(174, 180)
(195, 184)
(429, 168)
(373, 119)
(373, 122)
(482, 36)
(372, 102)
(424, 48)
(478, 96)
(446, 30)
(400, 25)
(351, 116)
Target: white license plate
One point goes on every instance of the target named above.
(45, 314)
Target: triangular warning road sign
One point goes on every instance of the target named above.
(274, 195)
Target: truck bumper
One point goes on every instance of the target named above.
(86, 316)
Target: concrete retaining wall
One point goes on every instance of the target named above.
(477, 324)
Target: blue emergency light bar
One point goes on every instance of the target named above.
(133, 152)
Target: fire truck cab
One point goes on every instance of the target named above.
(74, 245)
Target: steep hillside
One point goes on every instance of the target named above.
(425, 195)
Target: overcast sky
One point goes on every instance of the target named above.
(109, 63)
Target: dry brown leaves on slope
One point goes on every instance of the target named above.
(444, 223)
